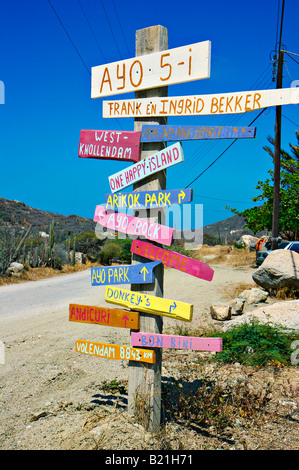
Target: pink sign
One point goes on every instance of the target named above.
(110, 145)
(133, 225)
(176, 342)
(174, 260)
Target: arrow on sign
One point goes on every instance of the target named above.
(149, 303)
(122, 274)
(126, 319)
(181, 196)
(143, 271)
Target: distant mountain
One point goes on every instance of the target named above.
(226, 231)
(17, 214)
(231, 228)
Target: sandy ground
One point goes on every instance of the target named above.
(48, 392)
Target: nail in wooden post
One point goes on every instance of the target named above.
(144, 395)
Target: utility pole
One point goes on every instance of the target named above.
(277, 143)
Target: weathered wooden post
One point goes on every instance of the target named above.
(145, 379)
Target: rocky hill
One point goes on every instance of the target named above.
(228, 229)
(17, 214)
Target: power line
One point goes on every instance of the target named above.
(64, 28)
(292, 57)
(92, 32)
(208, 145)
(120, 27)
(223, 151)
(107, 17)
(225, 200)
(297, 125)
(293, 53)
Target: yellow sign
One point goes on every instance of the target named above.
(149, 303)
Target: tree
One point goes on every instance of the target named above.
(259, 218)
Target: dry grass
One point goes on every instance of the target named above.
(34, 274)
(228, 255)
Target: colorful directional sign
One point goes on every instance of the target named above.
(104, 316)
(162, 68)
(176, 342)
(148, 199)
(110, 145)
(142, 273)
(115, 351)
(174, 260)
(149, 303)
(150, 165)
(170, 133)
(225, 103)
(133, 225)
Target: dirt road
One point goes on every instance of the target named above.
(43, 377)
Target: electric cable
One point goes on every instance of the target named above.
(235, 140)
(73, 44)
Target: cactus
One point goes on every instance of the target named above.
(74, 252)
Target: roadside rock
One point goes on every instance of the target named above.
(237, 306)
(248, 241)
(280, 269)
(284, 313)
(254, 296)
(220, 311)
(15, 267)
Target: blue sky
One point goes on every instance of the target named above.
(48, 88)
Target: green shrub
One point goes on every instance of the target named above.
(256, 343)
(109, 252)
(125, 255)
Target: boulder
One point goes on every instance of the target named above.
(280, 269)
(221, 311)
(255, 295)
(15, 267)
(237, 306)
(284, 313)
(80, 258)
(248, 241)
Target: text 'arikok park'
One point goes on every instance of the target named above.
(154, 66)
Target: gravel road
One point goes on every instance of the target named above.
(43, 373)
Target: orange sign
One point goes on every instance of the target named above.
(104, 316)
(114, 351)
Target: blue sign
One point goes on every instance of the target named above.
(168, 133)
(142, 273)
(148, 199)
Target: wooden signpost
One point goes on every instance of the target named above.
(136, 274)
(175, 133)
(220, 103)
(149, 303)
(115, 351)
(104, 316)
(148, 199)
(154, 163)
(133, 225)
(181, 64)
(110, 145)
(172, 259)
(176, 342)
